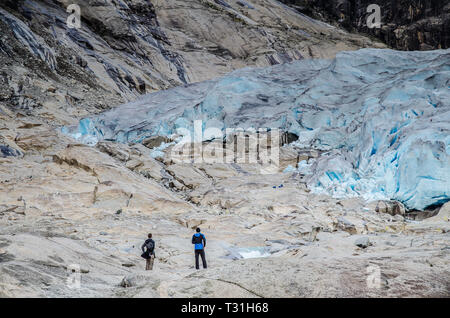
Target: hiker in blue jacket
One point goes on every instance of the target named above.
(200, 243)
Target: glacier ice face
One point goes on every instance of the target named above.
(381, 116)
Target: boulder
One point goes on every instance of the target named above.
(132, 280)
(7, 151)
(115, 150)
(189, 175)
(345, 225)
(39, 139)
(155, 141)
(363, 242)
(391, 207)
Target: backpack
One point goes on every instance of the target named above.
(150, 246)
(198, 239)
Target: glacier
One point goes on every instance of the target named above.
(381, 118)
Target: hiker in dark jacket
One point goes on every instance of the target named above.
(148, 252)
(200, 243)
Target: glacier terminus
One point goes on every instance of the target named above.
(380, 118)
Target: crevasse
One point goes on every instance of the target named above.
(382, 116)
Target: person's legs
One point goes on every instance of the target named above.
(197, 253)
(147, 264)
(151, 261)
(202, 253)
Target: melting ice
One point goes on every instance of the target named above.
(382, 116)
(247, 252)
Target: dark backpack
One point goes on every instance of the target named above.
(150, 246)
(198, 239)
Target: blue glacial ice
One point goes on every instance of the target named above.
(381, 116)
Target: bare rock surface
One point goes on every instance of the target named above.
(127, 48)
(73, 217)
(62, 223)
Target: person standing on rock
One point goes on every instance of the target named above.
(148, 249)
(200, 243)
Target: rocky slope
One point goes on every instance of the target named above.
(89, 208)
(72, 213)
(127, 48)
(405, 24)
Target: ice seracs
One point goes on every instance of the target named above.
(382, 118)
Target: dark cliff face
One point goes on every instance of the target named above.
(405, 24)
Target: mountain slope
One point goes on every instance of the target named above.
(73, 216)
(127, 48)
